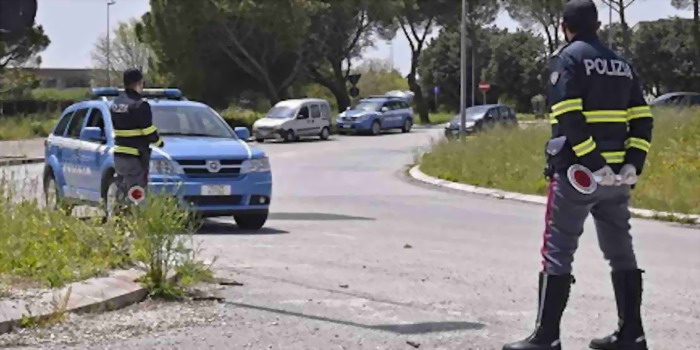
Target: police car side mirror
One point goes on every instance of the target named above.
(242, 132)
(384, 109)
(92, 133)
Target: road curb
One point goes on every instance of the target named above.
(20, 161)
(417, 174)
(118, 290)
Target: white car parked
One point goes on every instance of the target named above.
(291, 119)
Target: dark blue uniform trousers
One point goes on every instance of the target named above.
(567, 210)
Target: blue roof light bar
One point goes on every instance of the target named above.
(170, 93)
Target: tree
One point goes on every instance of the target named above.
(126, 51)
(19, 50)
(267, 40)
(20, 41)
(663, 56)
(515, 67)
(543, 13)
(512, 62)
(611, 34)
(216, 50)
(418, 18)
(620, 6)
(695, 4)
(378, 77)
(338, 34)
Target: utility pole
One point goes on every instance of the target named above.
(463, 74)
(473, 51)
(109, 52)
(610, 28)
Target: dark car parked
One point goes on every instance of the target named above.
(678, 99)
(481, 117)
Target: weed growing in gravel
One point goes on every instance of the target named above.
(163, 243)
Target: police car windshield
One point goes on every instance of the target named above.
(369, 106)
(189, 121)
(280, 112)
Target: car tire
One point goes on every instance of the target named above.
(260, 140)
(407, 125)
(376, 128)
(325, 134)
(289, 136)
(52, 195)
(252, 222)
(110, 196)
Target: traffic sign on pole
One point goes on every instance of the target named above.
(484, 86)
(354, 79)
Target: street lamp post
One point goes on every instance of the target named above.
(109, 53)
(463, 74)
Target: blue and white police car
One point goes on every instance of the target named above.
(374, 114)
(205, 163)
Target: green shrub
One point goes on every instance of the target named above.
(52, 248)
(73, 94)
(236, 116)
(163, 243)
(513, 160)
(27, 126)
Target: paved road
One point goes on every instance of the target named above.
(356, 256)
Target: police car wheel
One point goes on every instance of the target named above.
(407, 125)
(260, 140)
(52, 196)
(376, 128)
(251, 221)
(325, 134)
(110, 197)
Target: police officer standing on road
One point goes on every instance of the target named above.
(600, 121)
(134, 133)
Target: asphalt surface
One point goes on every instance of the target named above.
(357, 256)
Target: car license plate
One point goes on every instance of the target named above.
(346, 126)
(216, 190)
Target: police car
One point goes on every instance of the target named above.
(375, 114)
(204, 162)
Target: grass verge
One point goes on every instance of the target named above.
(513, 160)
(49, 248)
(27, 126)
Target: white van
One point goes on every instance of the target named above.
(291, 119)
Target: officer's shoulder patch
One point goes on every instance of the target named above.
(554, 77)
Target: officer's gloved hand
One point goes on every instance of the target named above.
(628, 175)
(605, 176)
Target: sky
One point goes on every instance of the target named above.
(75, 25)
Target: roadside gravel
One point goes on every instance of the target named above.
(148, 317)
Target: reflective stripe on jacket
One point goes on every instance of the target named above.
(596, 102)
(133, 124)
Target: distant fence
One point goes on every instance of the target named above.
(18, 107)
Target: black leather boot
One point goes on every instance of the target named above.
(628, 296)
(553, 295)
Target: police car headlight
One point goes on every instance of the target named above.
(163, 167)
(259, 165)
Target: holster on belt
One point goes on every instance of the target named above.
(560, 156)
